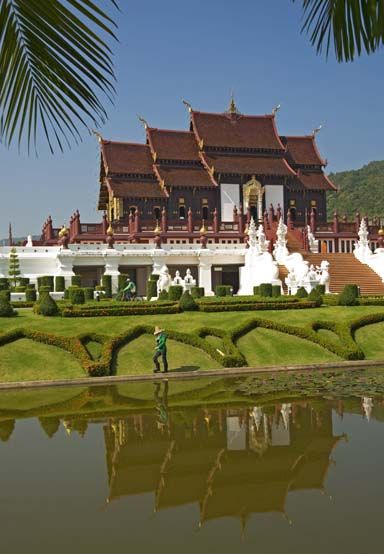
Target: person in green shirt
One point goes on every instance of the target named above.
(129, 290)
(160, 350)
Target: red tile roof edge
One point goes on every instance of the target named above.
(322, 160)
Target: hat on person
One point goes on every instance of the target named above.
(158, 330)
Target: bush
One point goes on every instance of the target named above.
(76, 295)
(6, 309)
(45, 288)
(129, 308)
(76, 281)
(197, 292)
(175, 292)
(315, 296)
(151, 289)
(302, 293)
(276, 291)
(88, 293)
(46, 305)
(320, 289)
(121, 280)
(4, 283)
(187, 303)
(163, 295)
(45, 281)
(223, 290)
(256, 291)
(6, 295)
(349, 296)
(154, 277)
(24, 281)
(30, 295)
(106, 281)
(100, 288)
(59, 283)
(265, 289)
(20, 289)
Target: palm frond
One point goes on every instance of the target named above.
(352, 26)
(56, 69)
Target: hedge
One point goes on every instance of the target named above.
(46, 305)
(88, 293)
(59, 283)
(5, 295)
(241, 307)
(256, 291)
(106, 281)
(19, 289)
(76, 281)
(163, 296)
(276, 291)
(4, 283)
(223, 290)
(151, 289)
(315, 296)
(265, 289)
(23, 281)
(76, 295)
(371, 301)
(30, 295)
(349, 296)
(301, 293)
(187, 303)
(154, 309)
(175, 292)
(45, 281)
(6, 309)
(197, 292)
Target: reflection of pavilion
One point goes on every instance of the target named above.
(230, 462)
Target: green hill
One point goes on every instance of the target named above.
(360, 190)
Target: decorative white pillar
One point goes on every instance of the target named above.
(159, 260)
(280, 250)
(205, 272)
(362, 250)
(65, 259)
(112, 261)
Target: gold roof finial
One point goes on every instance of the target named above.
(157, 229)
(143, 121)
(203, 229)
(232, 109)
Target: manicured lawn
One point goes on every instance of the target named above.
(25, 360)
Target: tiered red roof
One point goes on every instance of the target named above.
(173, 145)
(190, 176)
(126, 157)
(249, 165)
(315, 180)
(233, 130)
(302, 151)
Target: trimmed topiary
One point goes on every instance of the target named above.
(45, 281)
(6, 309)
(276, 291)
(151, 289)
(349, 296)
(315, 296)
(175, 292)
(154, 277)
(76, 281)
(106, 281)
(4, 283)
(163, 295)
(265, 289)
(59, 283)
(20, 289)
(5, 294)
(30, 295)
(256, 291)
(301, 293)
(187, 303)
(23, 281)
(88, 293)
(320, 289)
(223, 290)
(197, 292)
(76, 295)
(46, 305)
(121, 280)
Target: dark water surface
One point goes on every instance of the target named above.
(89, 473)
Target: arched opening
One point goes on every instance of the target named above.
(205, 212)
(293, 213)
(157, 213)
(132, 210)
(254, 212)
(182, 212)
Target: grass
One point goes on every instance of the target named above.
(25, 360)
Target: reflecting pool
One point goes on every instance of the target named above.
(180, 467)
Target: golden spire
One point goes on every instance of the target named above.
(203, 229)
(232, 109)
(157, 229)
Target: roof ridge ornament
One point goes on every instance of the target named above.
(276, 109)
(187, 104)
(97, 134)
(317, 130)
(143, 121)
(232, 108)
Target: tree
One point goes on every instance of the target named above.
(14, 267)
(53, 64)
(353, 26)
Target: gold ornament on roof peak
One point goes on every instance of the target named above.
(232, 109)
(110, 231)
(203, 229)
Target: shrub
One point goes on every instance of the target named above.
(23, 281)
(45, 288)
(5, 294)
(349, 296)
(76, 295)
(121, 280)
(276, 291)
(154, 277)
(20, 289)
(76, 281)
(4, 283)
(302, 293)
(59, 283)
(106, 281)
(163, 295)
(197, 292)
(223, 290)
(88, 293)
(256, 291)
(187, 303)
(30, 295)
(45, 281)
(31, 286)
(100, 288)
(151, 289)
(315, 296)
(320, 289)
(6, 309)
(265, 289)
(175, 292)
(46, 305)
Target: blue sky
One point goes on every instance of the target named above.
(201, 51)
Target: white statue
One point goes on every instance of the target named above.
(324, 277)
(164, 281)
(177, 280)
(252, 234)
(312, 273)
(189, 281)
(362, 250)
(280, 250)
(312, 242)
(291, 281)
(29, 241)
(261, 238)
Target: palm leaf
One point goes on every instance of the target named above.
(56, 68)
(350, 25)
